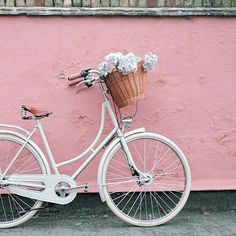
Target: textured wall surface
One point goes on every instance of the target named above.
(190, 98)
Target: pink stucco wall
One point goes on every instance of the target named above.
(191, 95)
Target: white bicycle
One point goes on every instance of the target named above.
(143, 177)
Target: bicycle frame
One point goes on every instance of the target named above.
(106, 107)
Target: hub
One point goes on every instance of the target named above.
(2, 182)
(146, 179)
(61, 189)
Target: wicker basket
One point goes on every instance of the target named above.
(126, 89)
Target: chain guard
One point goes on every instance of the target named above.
(59, 189)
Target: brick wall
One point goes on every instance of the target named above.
(118, 3)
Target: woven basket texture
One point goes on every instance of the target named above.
(127, 89)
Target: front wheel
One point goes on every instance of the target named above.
(157, 194)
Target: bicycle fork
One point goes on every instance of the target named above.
(142, 178)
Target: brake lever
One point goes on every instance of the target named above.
(81, 82)
(89, 84)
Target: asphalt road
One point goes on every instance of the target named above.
(100, 221)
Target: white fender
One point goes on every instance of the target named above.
(110, 147)
(33, 144)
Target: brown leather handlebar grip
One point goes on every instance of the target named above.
(75, 76)
(76, 81)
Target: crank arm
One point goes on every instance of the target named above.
(84, 187)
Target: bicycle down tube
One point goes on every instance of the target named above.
(105, 106)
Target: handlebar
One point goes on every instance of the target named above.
(76, 81)
(83, 74)
(87, 76)
(73, 77)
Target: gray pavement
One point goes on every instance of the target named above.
(92, 217)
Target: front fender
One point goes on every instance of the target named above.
(101, 164)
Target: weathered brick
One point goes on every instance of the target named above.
(227, 3)
(58, 3)
(115, 3)
(197, 3)
(67, 3)
(20, 3)
(188, 3)
(95, 3)
(77, 3)
(142, 3)
(29, 3)
(48, 3)
(208, 3)
(2, 3)
(38, 3)
(170, 3)
(86, 3)
(160, 3)
(10, 3)
(105, 3)
(151, 3)
(133, 3)
(217, 3)
(179, 3)
(124, 3)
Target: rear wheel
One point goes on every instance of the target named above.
(157, 194)
(15, 209)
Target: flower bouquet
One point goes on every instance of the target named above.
(126, 76)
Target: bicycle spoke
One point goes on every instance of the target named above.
(162, 157)
(125, 194)
(139, 207)
(121, 182)
(17, 157)
(154, 196)
(131, 208)
(119, 171)
(158, 205)
(14, 202)
(26, 163)
(3, 207)
(10, 207)
(120, 163)
(136, 150)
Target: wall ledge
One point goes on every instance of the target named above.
(151, 12)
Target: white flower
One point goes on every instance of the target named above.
(128, 64)
(150, 61)
(104, 68)
(113, 58)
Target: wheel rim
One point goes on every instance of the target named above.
(159, 194)
(15, 209)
